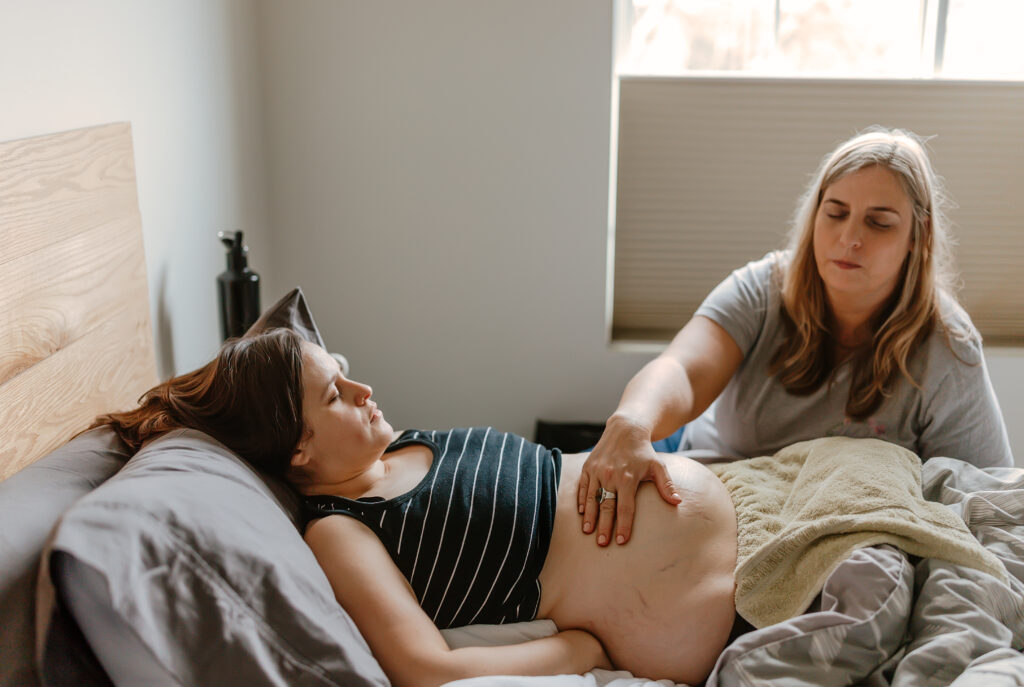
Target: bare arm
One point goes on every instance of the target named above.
(671, 390)
(410, 649)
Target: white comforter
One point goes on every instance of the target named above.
(882, 619)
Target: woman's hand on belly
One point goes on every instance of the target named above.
(622, 459)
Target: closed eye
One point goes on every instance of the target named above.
(336, 385)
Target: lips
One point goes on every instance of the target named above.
(845, 265)
(375, 413)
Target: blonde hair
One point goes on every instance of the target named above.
(806, 358)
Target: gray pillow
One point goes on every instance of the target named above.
(197, 557)
(30, 503)
(291, 312)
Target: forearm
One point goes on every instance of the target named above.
(679, 384)
(571, 651)
(658, 400)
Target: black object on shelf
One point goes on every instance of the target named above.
(570, 437)
(238, 288)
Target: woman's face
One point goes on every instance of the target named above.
(345, 433)
(862, 235)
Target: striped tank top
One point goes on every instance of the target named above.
(472, 536)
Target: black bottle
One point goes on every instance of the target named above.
(238, 288)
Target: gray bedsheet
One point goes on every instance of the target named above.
(885, 620)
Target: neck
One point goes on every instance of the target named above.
(853, 319)
(352, 487)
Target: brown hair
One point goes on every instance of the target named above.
(249, 398)
(805, 359)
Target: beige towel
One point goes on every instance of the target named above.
(801, 512)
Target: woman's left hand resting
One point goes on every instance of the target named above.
(410, 649)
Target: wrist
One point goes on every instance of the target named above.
(587, 649)
(627, 424)
(600, 657)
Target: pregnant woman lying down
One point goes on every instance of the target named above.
(418, 531)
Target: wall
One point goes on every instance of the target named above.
(182, 73)
(440, 184)
(440, 190)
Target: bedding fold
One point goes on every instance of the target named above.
(803, 511)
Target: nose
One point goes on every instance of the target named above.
(361, 392)
(851, 235)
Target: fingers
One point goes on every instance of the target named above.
(586, 498)
(601, 515)
(582, 492)
(590, 509)
(617, 514)
(625, 511)
(666, 487)
(605, 520)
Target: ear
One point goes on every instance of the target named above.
(299, 458)
(301, 455)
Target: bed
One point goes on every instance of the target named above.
(180, 565)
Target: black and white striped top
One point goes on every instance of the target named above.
(472, 536)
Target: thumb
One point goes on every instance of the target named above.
(666, 487)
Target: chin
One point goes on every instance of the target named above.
(844, 282)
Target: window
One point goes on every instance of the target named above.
(740, 100)
(964, 39)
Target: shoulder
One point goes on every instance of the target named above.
(955, 339)
(752, 282)
(764, 270)
(744, 304)
(338, 531)
(759, 282)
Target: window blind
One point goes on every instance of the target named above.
(710, 169)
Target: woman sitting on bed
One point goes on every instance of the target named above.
(853, 331)
(424, 530)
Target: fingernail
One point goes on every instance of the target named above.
(620, 539)
(587, 527)
(602, 540)
(580, 509)
(676, 495)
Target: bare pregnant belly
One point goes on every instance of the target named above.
(662, 605)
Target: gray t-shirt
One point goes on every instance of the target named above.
(954, 414)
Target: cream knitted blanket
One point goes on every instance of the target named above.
(801, 512)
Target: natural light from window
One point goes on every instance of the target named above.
(953, 39)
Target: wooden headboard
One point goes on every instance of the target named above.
(75, 332)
